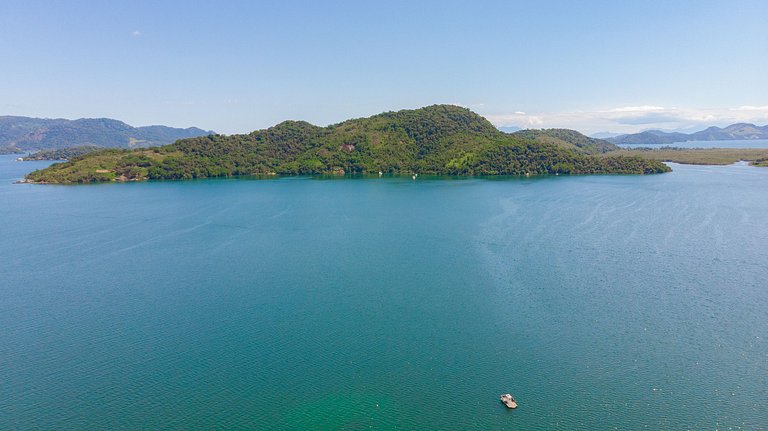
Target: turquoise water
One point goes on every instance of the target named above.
(601, 302)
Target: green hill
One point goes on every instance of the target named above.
(439, 139)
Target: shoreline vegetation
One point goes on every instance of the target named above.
(61, 153)
(688, 156)
(702, 156)
(435, 140)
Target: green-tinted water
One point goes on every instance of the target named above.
(600, 302)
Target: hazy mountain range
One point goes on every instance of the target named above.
(25, 134)
(714, 133)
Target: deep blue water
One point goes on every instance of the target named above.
(601, 302)
(735, 143)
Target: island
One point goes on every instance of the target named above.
(436, 140)
(744, 131)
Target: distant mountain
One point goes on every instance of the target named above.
(714, 133)
(24, 134)
(569, 139)
(734, 131)
(509, 129)
(604, 135)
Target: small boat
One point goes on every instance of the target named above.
(509, 401)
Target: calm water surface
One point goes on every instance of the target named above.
(601, 302)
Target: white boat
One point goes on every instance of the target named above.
(508, 401)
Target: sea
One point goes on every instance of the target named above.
(313, 303)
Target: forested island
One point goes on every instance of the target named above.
(439, 140)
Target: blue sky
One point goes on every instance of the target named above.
(237, 66)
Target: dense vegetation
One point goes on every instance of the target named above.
(23, 134)
(440, 139)
(567, 138)
(62, 153)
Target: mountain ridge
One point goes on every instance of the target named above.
(734, 131)
(25, 134)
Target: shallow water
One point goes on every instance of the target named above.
(296, 303)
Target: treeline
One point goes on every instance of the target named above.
(568, 138)
(61, 153)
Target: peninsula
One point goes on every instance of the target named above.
(61, 153)
(439, 139)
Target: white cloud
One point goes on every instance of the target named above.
(468, 105)
(136, 33)
(631, 119)
(751, 108)
(644, 108)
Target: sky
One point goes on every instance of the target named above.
(237, 66)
